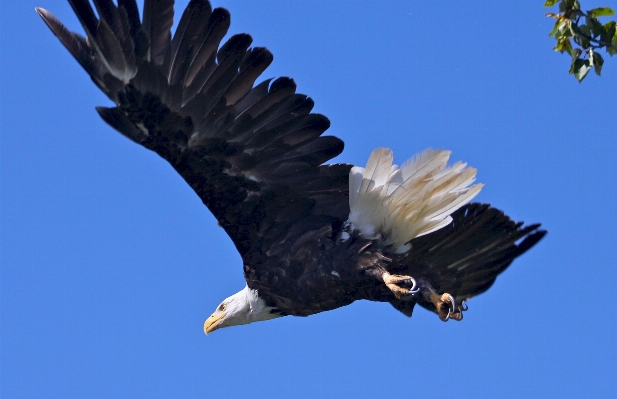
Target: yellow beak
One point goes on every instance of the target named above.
(212, 323)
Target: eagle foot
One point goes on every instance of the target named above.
(447, 308)
(394, 281)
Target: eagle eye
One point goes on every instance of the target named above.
(222, 307)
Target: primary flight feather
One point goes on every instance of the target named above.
(312, 237)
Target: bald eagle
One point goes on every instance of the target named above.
(313, 237)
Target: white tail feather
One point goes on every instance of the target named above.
(397, 205)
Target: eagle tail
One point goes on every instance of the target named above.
(465, 258)
(398, 204)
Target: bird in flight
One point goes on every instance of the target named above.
(312, 236)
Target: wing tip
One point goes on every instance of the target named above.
(45, 15)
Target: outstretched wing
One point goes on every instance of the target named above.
(465, 257)
(253, 155)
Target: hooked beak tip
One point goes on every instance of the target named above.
(212, 323)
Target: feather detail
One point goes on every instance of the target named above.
(157, 23)
(396, 205)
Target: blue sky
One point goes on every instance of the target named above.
(110, 263)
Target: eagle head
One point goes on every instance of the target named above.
(242, 307)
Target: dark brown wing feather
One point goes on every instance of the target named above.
(157, 23)
(254, 155)
(465, 257)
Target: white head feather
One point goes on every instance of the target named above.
(242, 307)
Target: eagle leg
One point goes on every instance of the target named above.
(393, 280)
(446, 306)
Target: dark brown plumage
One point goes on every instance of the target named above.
(255, 156)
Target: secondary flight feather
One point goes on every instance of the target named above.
(312, 237)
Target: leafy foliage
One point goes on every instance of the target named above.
(581, 35)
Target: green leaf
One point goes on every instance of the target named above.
(612, 50)
(609, 31)
(550, 3)
(556, 27)
(568, 5)
(584, 42)
(583, 35)
(596, 27)
(597, 61)
(581, 69)
(585, 30)
(602, 11)
(563, 45)
(565, 29)
(575, 54)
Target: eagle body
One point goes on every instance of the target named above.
(319, 273)
(312, 237)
